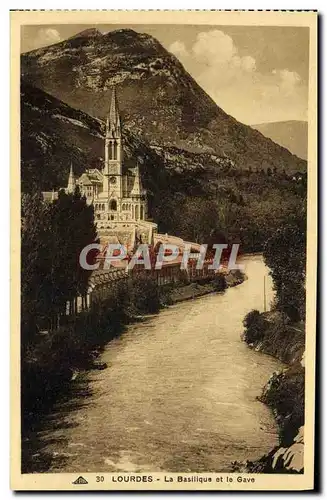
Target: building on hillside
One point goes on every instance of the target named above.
(116, 191)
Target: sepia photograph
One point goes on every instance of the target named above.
(164, 246)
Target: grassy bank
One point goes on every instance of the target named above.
(274, 334)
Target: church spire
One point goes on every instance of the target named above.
(113, 119)
(113, 150)
(71, 180)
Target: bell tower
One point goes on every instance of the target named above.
(112, 172)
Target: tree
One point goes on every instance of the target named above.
(35, 279)
(73, 228)
(285, 255)
(52, 239)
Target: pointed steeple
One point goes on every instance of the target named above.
(71, 180)
(113, 149)
(113, 119)
(137, 188)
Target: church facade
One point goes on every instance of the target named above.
(116, 191)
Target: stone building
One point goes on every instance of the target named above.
(116, 191)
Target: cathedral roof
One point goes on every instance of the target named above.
(95, 174)
(92, 176)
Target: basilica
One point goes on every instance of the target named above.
(116, 191)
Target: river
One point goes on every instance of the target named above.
(179, 393)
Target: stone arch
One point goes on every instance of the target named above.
(136, 212)
(111, 150)
(142, 213)
(113, 205)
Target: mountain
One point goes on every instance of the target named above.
(198, 196)
(54, 134)
(292, 135)
(160, 102)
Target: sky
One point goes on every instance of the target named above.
(257, 74)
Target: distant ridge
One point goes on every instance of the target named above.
(292, 135)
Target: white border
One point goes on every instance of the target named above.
(4, 198)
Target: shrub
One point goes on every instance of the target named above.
(238, 274)
(219, 283)
(285, 394)
(165, 295)
(143, 294)
(255, 327)
(251, 318)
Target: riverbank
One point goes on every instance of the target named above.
(51, 365)
(274, 334)
(178, 395)
(206, 286)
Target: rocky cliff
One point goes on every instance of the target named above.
(160, 102)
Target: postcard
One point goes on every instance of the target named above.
(163, 250)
